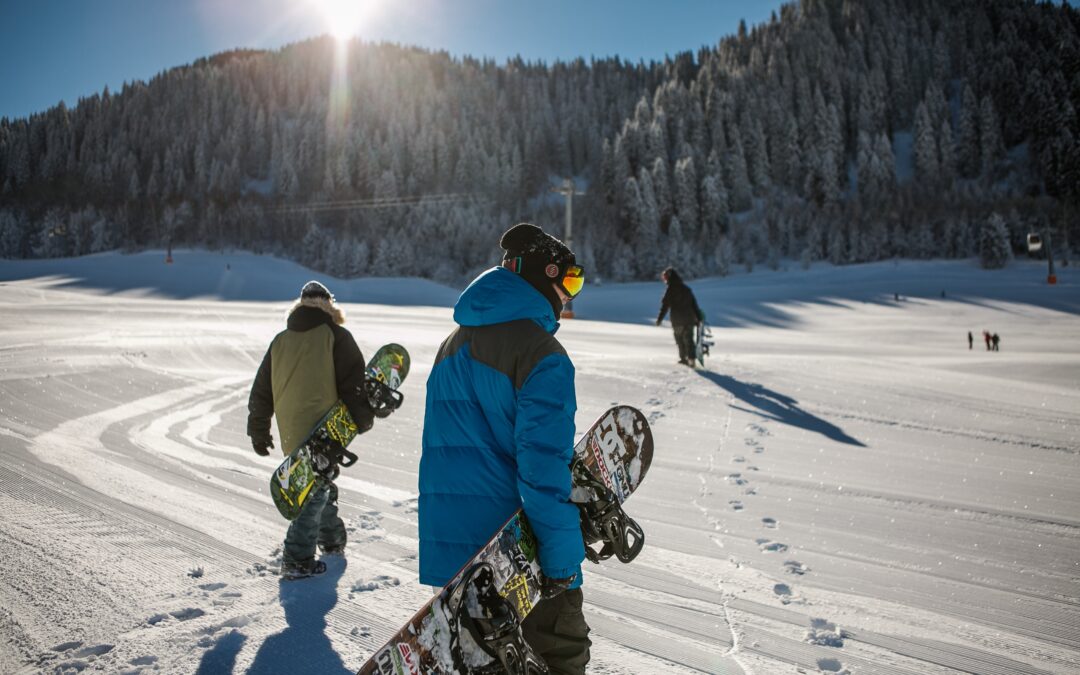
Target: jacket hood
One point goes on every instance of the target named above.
(307, 313)
(498, 296)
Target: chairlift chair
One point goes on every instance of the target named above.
(1034, 242)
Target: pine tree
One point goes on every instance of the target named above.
(647, 235)
(686, 199)
(968, 151)
(994, 249)
(991, 147)
(740, 195)
(947, 155)
(662, 190)
(927, 169)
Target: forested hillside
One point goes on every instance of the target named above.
(840, 130)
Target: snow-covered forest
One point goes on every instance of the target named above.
(841, 130)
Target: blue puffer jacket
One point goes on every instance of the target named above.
(498, 432)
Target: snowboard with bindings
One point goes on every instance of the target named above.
(317, 458)
(473, 624)
(702, 342)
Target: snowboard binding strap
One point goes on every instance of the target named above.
(327, 454)
(603, 520)
(497, 632)
(381, 397)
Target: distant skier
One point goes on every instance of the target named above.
(971, 340)
(308, 367)
(986, 339)
(685, 313)
(499, 435)
(994, 339)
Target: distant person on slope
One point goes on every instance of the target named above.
(685, 313)
(995, 339)
(971, 340)
(308, 367)
(499, 436)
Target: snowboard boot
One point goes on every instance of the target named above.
(291, 570)
(338, 551)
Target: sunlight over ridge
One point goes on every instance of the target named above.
(342, 17)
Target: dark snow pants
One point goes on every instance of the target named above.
(557, 631)
(684, 339)
(318, 523)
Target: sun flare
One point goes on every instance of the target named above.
(342, 17)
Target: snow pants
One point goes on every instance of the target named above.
(557, 631)
(318, 523)
(684, 340)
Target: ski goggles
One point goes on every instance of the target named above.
(573, 280)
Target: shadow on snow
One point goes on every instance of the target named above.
(303, 646)
(776, 406)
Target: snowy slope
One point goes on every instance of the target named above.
(846, 486)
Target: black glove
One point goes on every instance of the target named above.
(552, 587)
(262, 445)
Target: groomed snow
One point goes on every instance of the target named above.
(844, 487)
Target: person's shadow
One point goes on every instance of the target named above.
(779, 407)
(303, 646)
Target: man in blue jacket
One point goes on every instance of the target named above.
(499, 435)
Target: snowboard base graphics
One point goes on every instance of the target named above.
(702, 342)
(473, 625)
(316, 459)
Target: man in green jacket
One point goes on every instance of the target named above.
(308, 367)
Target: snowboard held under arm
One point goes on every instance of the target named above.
(474, 623)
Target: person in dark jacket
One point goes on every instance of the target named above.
(685, 313)
(309, 366)
(499, 435)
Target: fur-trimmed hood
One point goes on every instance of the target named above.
(329, 306)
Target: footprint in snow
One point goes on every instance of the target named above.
(738, 459)
(758, 429)
(769, 522)
(736, 479)
(67, 646)
(213, 587)
(374, 583)
(187, 614)
(751, 491)
(93, 650)
(735, 505)
(769, 546)
(147, 660)
(824, 633)
(832, 666)
(786, 595)
(795, 567)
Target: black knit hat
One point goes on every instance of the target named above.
(313, 289)
(538, 258)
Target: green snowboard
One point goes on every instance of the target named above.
(325, 447)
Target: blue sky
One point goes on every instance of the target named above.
(53, 50)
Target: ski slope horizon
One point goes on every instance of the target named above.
(845, 487)
(741, 298)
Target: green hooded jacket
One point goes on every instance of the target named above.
(308, 367)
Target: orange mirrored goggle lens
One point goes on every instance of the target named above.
(574, 280)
